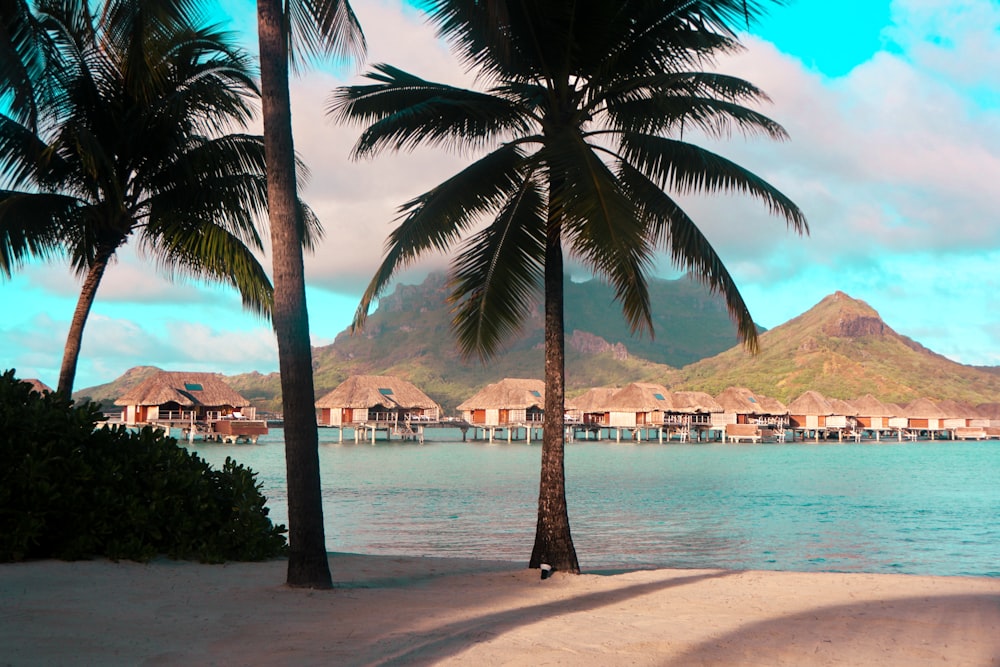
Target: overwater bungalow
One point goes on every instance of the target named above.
(377, 402)
(873, 415)
(637, 408)
(590, 407)
(750, 416)
(693, 413)
(201, 404)
(37, 385)
(511, 404)
(810, 413)
(924, 415)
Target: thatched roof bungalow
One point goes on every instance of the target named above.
(362, 399)
(742, 406)
(37, 385)
(924, 414)
(590, 407)
(694, 408)
(639, 404)
(810, 411)
(508, 402)
(872, 413)
(182, 396)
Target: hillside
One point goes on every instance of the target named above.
(842, 349)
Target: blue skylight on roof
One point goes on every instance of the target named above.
(536, 393)
(193, 386)
(659, 397)
(385, 391)
(751, 399)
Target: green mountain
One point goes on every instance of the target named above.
(842, 349)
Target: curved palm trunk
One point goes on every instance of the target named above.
(308, 565)
(553, 542)
(71, 354)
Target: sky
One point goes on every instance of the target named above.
(893, 115)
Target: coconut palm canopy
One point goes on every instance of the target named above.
(869, 406)
(811, 403)
(185, 389)
(365, 391)
(592, 400)
(924, 408)
(642, 397)
(508, 393)
(695, 401)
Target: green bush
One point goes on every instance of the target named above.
(70, 490)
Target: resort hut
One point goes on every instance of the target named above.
(924, 414)
(990, 412)
(362, 399)
(590, 407)
(512, 401)
(177, 398)
(809, 412)
(872, 414)
(693, 411)
(37, 385)
(639, 407)
(742, 406)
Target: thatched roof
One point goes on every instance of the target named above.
(958, 410)
(811, 403)
(509, 393)
(869, 406)
(37, 385)
(365, 391)
(641, 397)
(842, 407)
(592, 400)
(989, 410)
(742, 401)
(695, 401)
(924, 408)
(185, 389)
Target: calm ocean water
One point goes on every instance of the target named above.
(915, 508)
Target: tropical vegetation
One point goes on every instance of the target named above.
(70, 489)
(293, 32)
(583, 127)
(120, 126)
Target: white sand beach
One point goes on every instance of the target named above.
(422, 611)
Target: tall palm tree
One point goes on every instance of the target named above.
(580, 129)
(120, 129)
(288, 32)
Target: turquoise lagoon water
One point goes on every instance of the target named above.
(915, 508)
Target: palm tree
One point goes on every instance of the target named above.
(119, 131)
(302, 29)
(580, 129)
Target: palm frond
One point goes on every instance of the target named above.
(437, 218)
(404, 111)
(685, 168)
(601, 224)
(671, 229)
(673, 114)
(32, 227)
(322, 28)
(497, 274)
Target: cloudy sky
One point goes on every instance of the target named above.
(893, 112)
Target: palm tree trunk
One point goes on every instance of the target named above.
(308, 565)
(553, 542)
(74, 340)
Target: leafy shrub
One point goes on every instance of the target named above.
(71, 490)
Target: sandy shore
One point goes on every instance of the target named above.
(406, 611)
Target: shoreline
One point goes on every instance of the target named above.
(429, 610)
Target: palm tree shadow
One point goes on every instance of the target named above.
(426, 648)
(954, 629)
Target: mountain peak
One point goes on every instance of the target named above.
(842, 316)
